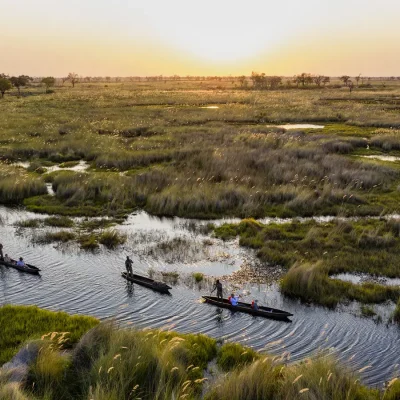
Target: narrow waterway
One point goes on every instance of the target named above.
(90, 283)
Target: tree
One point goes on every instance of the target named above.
(5, 85)
(259, 80)
(345, 79)
(73, 77)
(303, 78)
(326, 80)
(19, 81)
(350, 85)
(358, 77)
(243, 81)
(49, 82)
(273, 81)
(319, 79)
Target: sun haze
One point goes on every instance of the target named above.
(128, 37)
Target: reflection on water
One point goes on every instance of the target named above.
(383, 158)
(360, 278)
(87, 283)
(301, 126)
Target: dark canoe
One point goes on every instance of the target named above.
(266, 312)
(28, 268)
(147, 282)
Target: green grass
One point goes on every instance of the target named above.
(60, 222)
(113, 364)
(88, 242)
(198, 277)
(29, 223)
(396, 314)
(19, 324)
(367, 311)
(232, 355)
(112, 238)
(313, 251)
(180, 159)
(60, 236)
(116, 364)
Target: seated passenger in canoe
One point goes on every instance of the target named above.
(7, 259)
(21, 262)
(254, 304)
(234, 300)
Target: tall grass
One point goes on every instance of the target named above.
(318, 378)
(314, 251)
(20, 323)
(116, 364)
(16, 185)
(122, 364)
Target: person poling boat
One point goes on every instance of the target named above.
(128, 266)
(1, 252)
(218, 286)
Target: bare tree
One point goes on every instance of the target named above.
(243, 81)
(357, 78)
(73, 78)
(319, 79)
(345, 79)
(326, 80)
(303, 78)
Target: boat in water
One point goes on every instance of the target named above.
(28, 268)
(147, 282)
(265, 312)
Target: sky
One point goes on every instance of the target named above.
(210, 37)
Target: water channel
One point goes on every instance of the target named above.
(83, 282)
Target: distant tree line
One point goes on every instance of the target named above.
(256, 81)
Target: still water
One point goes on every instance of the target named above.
(82, 282)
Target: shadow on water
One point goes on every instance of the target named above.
(78, 282)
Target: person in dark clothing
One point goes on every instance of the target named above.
(128, 266)
(1, 252)
(218, 286)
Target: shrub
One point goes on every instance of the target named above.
(112, 238)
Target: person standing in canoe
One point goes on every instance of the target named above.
(218, 286)
(1, 251)
(128, 266)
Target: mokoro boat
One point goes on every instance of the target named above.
(266, 312)
(147, 282)
(28, 268)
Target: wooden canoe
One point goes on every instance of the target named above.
(266, 312)
(28, 268)
(147, 282)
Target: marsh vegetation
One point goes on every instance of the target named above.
(111, 363)
(157, 149)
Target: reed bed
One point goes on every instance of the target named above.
(161, 151)
(21, 323)
(313, 251)
(115, 364)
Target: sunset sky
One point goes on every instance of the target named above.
(211, 37)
